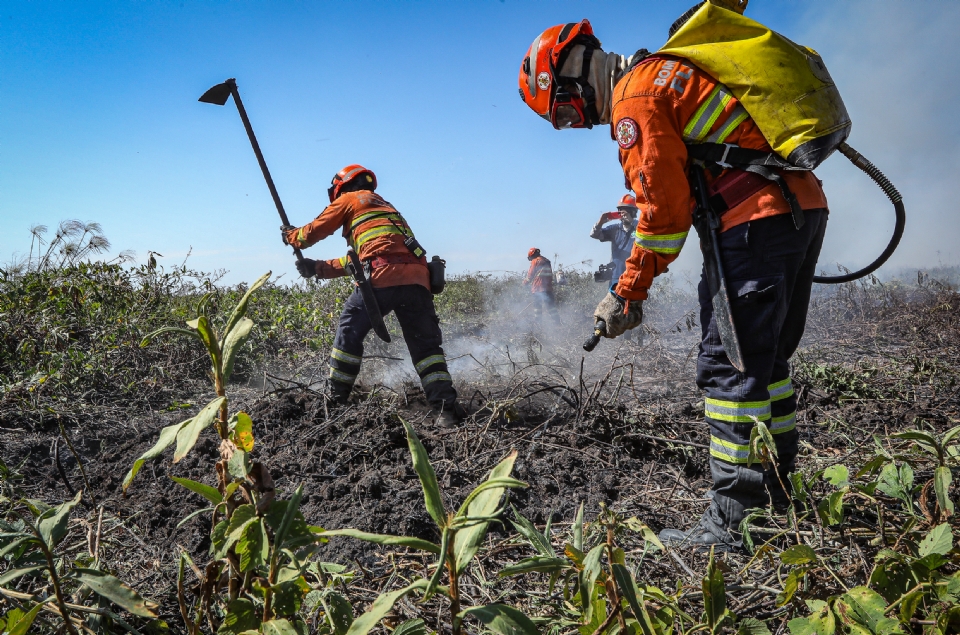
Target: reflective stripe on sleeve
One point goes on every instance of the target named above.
(427, 362)
(786, 423)
(737, 117)
(377, 214)
(438, 376)
(342, 377)
(737, 411)
(729, 451)
(707, 114)
(780, 390)
(663, 244)
(347, 358)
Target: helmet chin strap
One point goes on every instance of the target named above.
(582, 82)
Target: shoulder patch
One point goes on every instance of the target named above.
(626, 132)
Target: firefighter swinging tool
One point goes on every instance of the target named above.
(218, 95)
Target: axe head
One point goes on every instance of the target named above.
(218, 94)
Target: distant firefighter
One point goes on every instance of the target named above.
(540, 279)
(619, 235)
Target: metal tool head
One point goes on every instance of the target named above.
(219, 94)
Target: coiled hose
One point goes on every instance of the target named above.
(878, 177)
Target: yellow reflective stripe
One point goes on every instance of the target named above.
(728, 451)
(366, 236)
(438, 376)
(707, 114)
(342, 377)
(301, 238)
(427, 362)
(737, 117)
(345, 357)
(780, 390)
(378, 214)
(662, 244)
(786, 423)
(736, 411)
(343, 261)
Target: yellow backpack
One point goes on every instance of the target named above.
(785, 87)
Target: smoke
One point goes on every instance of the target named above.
(896, 64)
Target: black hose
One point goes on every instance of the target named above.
(878, 177)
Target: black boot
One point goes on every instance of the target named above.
(450, 415)
(340, 393)
(700, 537)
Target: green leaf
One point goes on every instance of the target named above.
(941, 484)
(949, 435)
(288, 596)
(837, 475)
(116, 591)
(714, 595)
(241, 431)
(908, 606)
(865, 608)
(502, 619)
(411, 627)
(820, 622)
(253, 546)
(190, 432)
(232, 344)
(539, 541)
(591, 571)
(239, 465)
(241, 616)
(278, 627)
(428, 478)
(379, 609)
(922, 438)
(791, 585)
(241, 309)
(939, 540)
(543, 564)
(207, 491)
(340, 613)
(167, 437)
(798, 554)
(242, 516)
(482, 502)
(209, 339)
(578, 529)
(800, 491)
(52, 525)
(24, 620)
(218, 537)
(385, 539)
(628, 589)
(14, 574)
(752, 626)
(289, 515)
(830, 509)
(169, 329)
(434, 581)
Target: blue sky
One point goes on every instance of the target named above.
(99, 121)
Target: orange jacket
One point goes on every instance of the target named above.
(365, 221)
(539, 276)
(656, 105)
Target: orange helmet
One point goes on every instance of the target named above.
(346, 175)
(533, 253)
(628, 200)
(566, 102)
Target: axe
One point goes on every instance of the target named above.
(218, 95)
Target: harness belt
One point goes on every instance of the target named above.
(394, 259)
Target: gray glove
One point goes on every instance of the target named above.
(307, 267)
(611, 311)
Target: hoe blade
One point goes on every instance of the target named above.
(218, 95)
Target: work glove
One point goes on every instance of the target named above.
(284, 231)
(307, 267)
(611, 311)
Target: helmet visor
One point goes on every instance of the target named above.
(567, 116)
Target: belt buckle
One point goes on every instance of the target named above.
(726, 151)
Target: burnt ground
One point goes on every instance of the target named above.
(624, 429)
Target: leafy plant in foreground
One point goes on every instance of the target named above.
(462, 532)
(262, 544)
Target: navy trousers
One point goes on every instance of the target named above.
(769, 267)
(413, 306)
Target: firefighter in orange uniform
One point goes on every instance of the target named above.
(659, 109)
(540, 278)
(400, 279)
